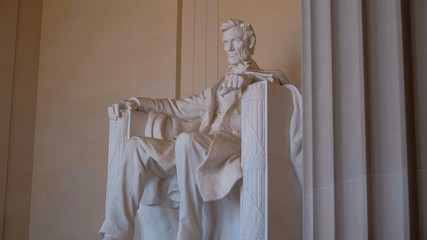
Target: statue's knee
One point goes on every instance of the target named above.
(131, 146)
(185, 139)
(133, 153)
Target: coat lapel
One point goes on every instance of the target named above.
(210, 105)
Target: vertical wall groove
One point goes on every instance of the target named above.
(7, 167)
(8, 74)
(194, 48)
(178, 49)
(410, 120)
(19, 159)
(366, 119)
(418, 32)
(206, 41)
(308, 198)
(349, 117)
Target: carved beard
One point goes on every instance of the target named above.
(244, 54)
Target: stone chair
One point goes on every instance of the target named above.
(266, 204)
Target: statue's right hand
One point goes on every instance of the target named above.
(120, 106)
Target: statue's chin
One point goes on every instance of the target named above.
(233, 61)
(236, 60)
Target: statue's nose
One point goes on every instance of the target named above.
(230, 47)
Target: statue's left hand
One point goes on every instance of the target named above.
(234, 81)
(121, 106)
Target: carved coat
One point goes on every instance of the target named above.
(222, 167)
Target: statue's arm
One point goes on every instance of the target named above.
(188, 108)
(185, 108)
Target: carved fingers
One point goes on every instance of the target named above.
(131, 105)
(114, 111)
(111, 113)
(234, 81)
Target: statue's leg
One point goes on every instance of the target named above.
(138, 157)
(190, 151)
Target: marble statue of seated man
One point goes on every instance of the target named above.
(206, 162)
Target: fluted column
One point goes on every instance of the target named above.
(349, 120)
(359, 116)
(387, 149)
(418, 37)
(319, 202)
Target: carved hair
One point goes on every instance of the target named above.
(247, 29)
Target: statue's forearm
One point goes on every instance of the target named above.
(149, 104)
(181, 108)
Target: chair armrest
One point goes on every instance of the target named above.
(131, 123)
(271, 194)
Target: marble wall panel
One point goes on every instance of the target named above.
(92, 53)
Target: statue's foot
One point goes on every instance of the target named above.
(109, 238)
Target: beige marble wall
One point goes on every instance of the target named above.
(92, 53)
(95, 52)
(20, 39)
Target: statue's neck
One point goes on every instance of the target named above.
(244, 66)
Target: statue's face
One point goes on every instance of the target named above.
(235, 46)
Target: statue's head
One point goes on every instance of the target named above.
(239, 40)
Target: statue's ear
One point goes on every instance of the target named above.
(252, 43)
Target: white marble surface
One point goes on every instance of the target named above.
(214, 131)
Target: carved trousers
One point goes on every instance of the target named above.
(162, 158)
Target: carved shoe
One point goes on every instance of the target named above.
(109, 238)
